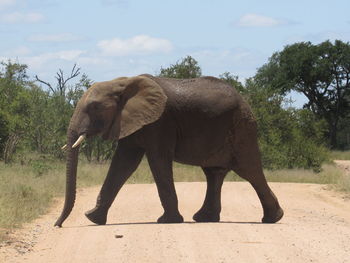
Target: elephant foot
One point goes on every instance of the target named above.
(271, 218)
(206, 216)
(167, 218)
(97, 216)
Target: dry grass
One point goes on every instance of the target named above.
(330, 174)
(340, 155)
(26, 191)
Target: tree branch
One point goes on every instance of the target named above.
(44, 82)
(75, 72)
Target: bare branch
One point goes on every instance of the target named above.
(44, 82)
(61, 81)
(75, 72)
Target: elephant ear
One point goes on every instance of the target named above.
(145, 104)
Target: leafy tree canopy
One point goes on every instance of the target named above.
(233, 81)
(186, 68)
(321, 72)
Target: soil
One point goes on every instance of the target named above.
(315, 228)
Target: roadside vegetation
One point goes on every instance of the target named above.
(340, 155)
(297, 145)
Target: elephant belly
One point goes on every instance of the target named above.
(209, 157)
(205, 145)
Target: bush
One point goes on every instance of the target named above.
(288, 137)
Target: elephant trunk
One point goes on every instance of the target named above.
(71, 177)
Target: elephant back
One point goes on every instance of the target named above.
(208, 94)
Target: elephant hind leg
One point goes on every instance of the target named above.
(211, 208)
(247, 164)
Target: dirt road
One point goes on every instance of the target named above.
(316, 228)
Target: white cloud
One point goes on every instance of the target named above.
(141, 44)
(69, 55)
(39, 61)
(19, 51)
(6, 3)
(255, 20)
(66, 55)
(18, 17)
(64, 37)
(89, 61)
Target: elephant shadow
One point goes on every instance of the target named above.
(185, 222)
(155, 223)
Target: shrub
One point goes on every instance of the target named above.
(288, 137)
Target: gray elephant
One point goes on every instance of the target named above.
(201, 121)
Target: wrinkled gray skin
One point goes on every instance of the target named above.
(202, 122)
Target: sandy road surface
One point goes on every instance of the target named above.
(316, 228)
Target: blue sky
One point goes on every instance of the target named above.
(112, 38)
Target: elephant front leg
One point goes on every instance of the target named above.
(161, 167)
(124, 163)
(211, 208)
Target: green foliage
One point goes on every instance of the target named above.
(14, 104)
(343, 133)
(289, 138)
(321, 72)
(233, 81)
(186, 68)
(3, 131)
(33, 119)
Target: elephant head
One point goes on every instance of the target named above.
(111, 109)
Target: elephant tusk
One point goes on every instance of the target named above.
(64, 147)
(79, 141)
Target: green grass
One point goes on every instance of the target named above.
(27, 191)
(340, 155)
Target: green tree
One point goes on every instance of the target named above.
(186, 68)
(39, 121)
(3, 131)
(321, 72)
(14, 104)
(233, 81)
(49, 128)
(288, 138)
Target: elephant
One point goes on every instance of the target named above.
(201, 121)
